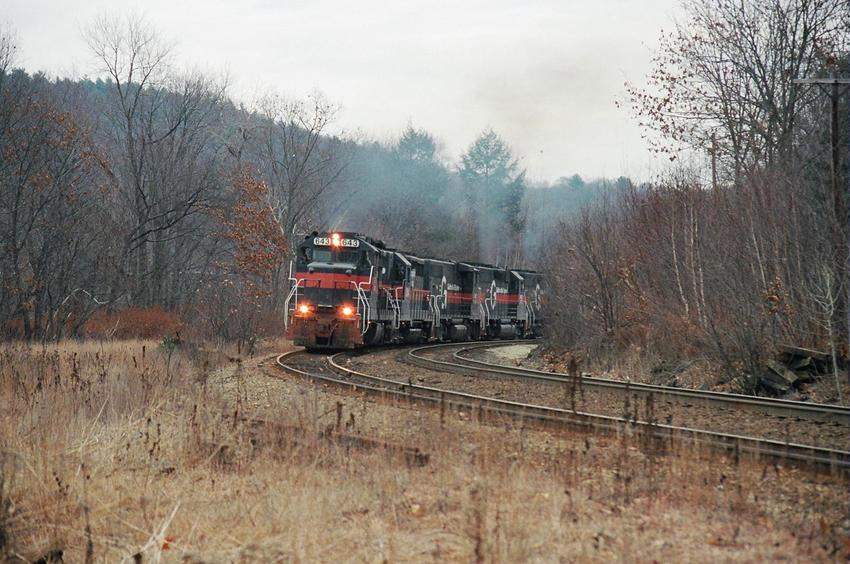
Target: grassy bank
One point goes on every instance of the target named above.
(117, 449)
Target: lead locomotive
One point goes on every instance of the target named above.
(348, 290)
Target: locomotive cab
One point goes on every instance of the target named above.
(325, 306)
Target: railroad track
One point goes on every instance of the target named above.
(461, 363)
(657, 436)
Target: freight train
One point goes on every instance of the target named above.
(349, 290)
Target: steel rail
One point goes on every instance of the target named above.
(660, 434)
(784, 408)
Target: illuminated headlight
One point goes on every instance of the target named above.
(347, 311)
(304, 309)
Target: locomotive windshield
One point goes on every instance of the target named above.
(326, 256)
(321, 255)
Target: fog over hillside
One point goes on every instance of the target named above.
(546, 79)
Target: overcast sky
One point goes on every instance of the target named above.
(544, 75)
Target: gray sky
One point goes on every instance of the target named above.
(542, 74)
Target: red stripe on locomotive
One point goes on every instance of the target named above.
(331, 280)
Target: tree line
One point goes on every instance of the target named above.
(740, 245)
(150, 189)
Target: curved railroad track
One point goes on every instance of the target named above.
(656, 436)
(461, 362)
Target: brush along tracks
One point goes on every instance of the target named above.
(456, 358)
(655, 437)
(807, 424)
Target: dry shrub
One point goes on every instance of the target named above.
(690, 272)
(235, 311)
(13, 329)
(675, 337)
(133, 323)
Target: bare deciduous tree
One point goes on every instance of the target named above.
(159, 126)
(48, 165)
(298, 158)
(723, 78)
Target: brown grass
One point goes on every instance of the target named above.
(117, 449)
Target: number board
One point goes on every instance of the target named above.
(326, 242)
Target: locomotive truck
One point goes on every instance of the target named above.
(349, 290)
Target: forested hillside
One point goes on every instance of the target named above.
(153, 194)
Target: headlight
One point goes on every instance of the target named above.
(347, 311)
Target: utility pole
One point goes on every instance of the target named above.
(836, 87)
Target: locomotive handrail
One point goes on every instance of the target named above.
(363, 305)
(485, 312)
(292, 292)
(393, 300)
(435, 309)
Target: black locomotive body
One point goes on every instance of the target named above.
(348, 290)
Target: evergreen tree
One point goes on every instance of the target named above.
(493, 188)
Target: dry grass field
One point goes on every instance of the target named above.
(130, 451)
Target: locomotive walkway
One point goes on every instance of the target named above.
(655, 437)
